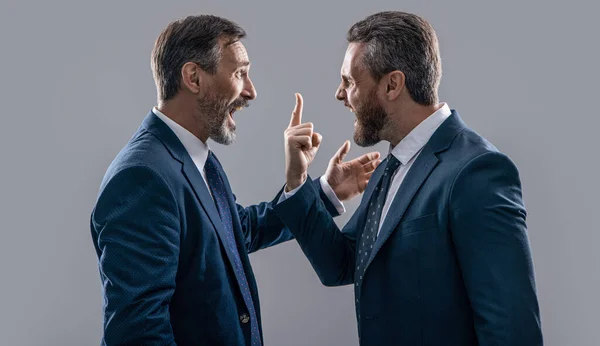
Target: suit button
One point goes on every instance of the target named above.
(245, 318)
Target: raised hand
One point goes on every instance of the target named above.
(349, 179)
(301, 146)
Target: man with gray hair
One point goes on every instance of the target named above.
(171, 241)
(437, 251)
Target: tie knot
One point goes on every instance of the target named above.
(393, 163)
(211, 158)
(211, 166)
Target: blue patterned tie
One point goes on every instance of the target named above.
(369, 234)
(217, 187)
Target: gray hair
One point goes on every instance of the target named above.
(401, 41)
(191, 39)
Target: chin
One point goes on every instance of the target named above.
(224, 133)
(225, 139)
(362, 139)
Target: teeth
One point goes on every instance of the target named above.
(238, 108)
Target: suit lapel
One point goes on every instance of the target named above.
(197, 182)
(416, 176)
(194, 178)
(158, 128)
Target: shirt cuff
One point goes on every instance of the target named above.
(339, 206)
(286, 195)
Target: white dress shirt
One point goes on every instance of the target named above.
(198, 151)
(406, 152)
(409, 149)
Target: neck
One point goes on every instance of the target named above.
(405, 117)
(185, 116)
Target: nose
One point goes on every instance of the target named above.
(249, 91)
(340, 93)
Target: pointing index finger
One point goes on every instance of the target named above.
(297, 113)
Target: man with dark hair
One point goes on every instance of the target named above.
(172, 243)
(437, 251)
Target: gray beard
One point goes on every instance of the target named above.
(215, 121)
(368, 131)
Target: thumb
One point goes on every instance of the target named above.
(316, 142)
(316, 139)
(342, 151)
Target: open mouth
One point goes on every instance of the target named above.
(353, 112)
(233, 110)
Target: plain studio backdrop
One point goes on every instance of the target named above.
(75, 83)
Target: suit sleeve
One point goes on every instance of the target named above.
(262, 228)
(331, 208)
(136, 225)
(488, 226)
(330, 251)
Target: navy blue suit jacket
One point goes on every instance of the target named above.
(451, 265)
(167, 278)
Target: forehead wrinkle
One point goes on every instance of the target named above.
(235, 55)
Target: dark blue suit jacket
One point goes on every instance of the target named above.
(451, 265)
(167, 278)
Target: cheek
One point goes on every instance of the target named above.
(353, 97)
(236, 88)
(230, 88)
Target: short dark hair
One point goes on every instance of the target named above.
(195, 39)
(401, 41)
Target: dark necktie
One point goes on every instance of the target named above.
(217, 187)
(369, 234)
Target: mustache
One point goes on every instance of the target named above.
(241, 102)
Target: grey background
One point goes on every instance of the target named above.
(75, 83)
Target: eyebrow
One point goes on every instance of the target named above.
(231, 41)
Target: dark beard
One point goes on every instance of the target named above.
(215, 112)
(371, 118)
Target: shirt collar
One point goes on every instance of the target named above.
(197, 149)
(412, 144)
